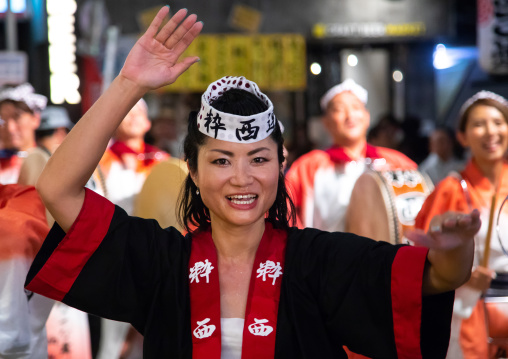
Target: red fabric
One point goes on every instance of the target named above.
(338, 155)
(92, 82)
(23, 225)
(406, 289)
(262, 302)
(205, 300)
(56, 278)
(149, 152)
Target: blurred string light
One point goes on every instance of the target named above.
(352, 60)
(397, 76)
(315, 68)
(442, 59)
(64, 81)
(446, 57)
(17, 6)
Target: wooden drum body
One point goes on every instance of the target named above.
(385, 203)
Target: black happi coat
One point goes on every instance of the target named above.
(337, 288)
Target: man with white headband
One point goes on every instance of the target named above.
(243, 283)
(321, 182)
(20, 110)
(128, 161)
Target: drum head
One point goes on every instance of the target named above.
(159, 195)
(387, 203)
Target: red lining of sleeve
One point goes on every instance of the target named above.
(406, 290)
(57, 276)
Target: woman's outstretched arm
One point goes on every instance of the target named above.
(153, 62)
(451, 250)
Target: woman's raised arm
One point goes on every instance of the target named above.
(153, 62)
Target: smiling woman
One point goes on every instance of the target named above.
(222, 161)
(242, 283)
(483, 128)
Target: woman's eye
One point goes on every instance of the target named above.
(221, 161)
(260, 160)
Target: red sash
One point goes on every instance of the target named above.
(148, 156)
(262, 302)
(338, 155)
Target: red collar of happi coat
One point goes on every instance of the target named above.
(338, 155)
(262, 302)
(148, 155)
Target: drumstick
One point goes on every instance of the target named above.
(486, 253)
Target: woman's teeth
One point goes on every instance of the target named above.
(242, 199)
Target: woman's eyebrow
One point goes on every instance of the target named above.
(253, 152)
(224, 152)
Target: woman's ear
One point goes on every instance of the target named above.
(461, 137)
(193, 175)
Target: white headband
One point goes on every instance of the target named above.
(347, 85)
(235, 128)
(25, 93)
(482, 95)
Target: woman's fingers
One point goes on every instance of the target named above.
(419, 238)
(183, 65)
(156, 22)
(187, 39)
(168, 29)
(447, 231)
(180, 31)
(452, 221)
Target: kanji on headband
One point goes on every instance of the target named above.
(235, 128)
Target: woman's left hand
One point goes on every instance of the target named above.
(447, 231)
(451, 250)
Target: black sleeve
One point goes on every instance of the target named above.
(108, 264)
(369, 295)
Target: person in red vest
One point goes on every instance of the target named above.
(128, 161)
(320, 181)
(23, 314)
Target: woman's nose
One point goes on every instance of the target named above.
(242, 175)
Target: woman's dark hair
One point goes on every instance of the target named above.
(192, 212)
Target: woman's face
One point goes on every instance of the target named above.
(237, 182)
(18, 128)
(486, 134)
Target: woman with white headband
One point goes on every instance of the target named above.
(242, 283)
(483, 128)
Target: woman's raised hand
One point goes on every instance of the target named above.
(154, 60)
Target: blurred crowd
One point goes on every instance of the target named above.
(142, 171)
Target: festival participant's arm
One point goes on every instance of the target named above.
(451, 249)
(153, 62)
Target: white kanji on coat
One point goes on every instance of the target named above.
(200, 269)
(202, 330)
(259, 328)
(270, 269)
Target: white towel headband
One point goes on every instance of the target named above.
(347, 85)
(235, 128)
(25, 93)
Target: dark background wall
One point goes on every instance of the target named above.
(297, 15)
